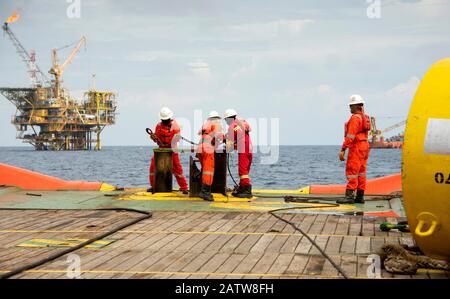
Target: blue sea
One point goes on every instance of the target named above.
(127, 166)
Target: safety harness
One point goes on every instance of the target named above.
(365, 127)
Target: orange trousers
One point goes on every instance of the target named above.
(356, 166)
(244, 164)
(207, 162)
(177, 171)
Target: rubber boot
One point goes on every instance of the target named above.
(205, 193)
(348, 199)
(246, 192)
(359, 196)
(236, 191)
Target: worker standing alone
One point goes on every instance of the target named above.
(238, 138)
(356, 140)
(167, 135)
(211, 139)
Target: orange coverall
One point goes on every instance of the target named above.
(356, 140)
(212, 136)
(169, 135)
(239, 138)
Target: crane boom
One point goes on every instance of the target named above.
(58, 69)
(394, 126)
(36, 75)
(72, 54)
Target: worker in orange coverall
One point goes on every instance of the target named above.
(356, 140)
(238, 138)
(212, 138)
(167, 135)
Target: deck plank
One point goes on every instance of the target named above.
(343, 226)
(298, 264)
(322, 242)
(348, 244)
(315, 265)
(246, 265)
(281, 263)
(228, 266)
(212, 265)
(362, 245)
(291, 244)
(333, 245)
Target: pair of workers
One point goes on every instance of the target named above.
(213, 140)
(356, 141)
(167, 135)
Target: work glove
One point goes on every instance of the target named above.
(229, 146)
(342, 155)
(154, 138)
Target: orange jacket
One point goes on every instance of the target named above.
(238, 136)
(212, 134)
(169, 134)
(356, 129)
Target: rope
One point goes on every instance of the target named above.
(229, 171)
(69, 45)
(337, 267)
(188, 141)
(407, 260)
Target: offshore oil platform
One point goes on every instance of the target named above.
(46, 116)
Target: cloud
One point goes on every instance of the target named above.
(403, 91)
(200, 68)
(159, 98)
(280, 28)
(425, 8)
(141, 56)
(247, 70)
(324, 89)
(323, 97)
(392, 104)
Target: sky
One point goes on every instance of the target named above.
(294, 61)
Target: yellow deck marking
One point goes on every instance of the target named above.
(265, 206)
(187, 232)
(174, 196)
(304, 190)
(39, 243)
(107, 187)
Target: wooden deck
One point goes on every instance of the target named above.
(198, 244)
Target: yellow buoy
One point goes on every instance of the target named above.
(426, 163)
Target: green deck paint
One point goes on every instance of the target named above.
(14, 198)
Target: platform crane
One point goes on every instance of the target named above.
(375, 133)
(58, 69)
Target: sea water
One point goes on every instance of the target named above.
(127, 166)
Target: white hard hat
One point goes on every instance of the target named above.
(213, 114)
(165, 113)
(229, 113)
(356, 99)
